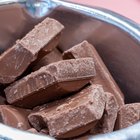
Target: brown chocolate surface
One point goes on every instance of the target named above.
(53, 56)
(107, 123)
(82, 138)
(103, 76)
(51, 82)
(72, 116)
(15, 117)
(128, 115)
(15, 60)
(42, 35)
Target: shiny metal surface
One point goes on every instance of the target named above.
(2, 2)
(131, 133)
(7, 133)
(117, 39)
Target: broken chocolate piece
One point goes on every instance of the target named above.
(128, 115)
(51, 82)
(15, 117)
(72, 116)
(107, 123)
(103, 76)
(41, 36)
(15, 60)
(53, 56)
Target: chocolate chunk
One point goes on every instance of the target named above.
(42, 35)
(107, 123)
(15, 117)
(53, 56)
(15, 60)
(51, 82)
(103, 76)
(128, 115)
(72, 116)
(84, 49)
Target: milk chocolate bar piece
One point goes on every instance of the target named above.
(15, 117)
(51, 82)
(107, 123)
(53, 56)
(15, 60)
(42, 35)
(128, 115)
(103, 76)
(73, 116)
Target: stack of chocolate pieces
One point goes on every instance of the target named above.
(68, 95)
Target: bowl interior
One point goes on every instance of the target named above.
(118, 49)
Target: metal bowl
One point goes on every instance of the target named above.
(116, 38)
